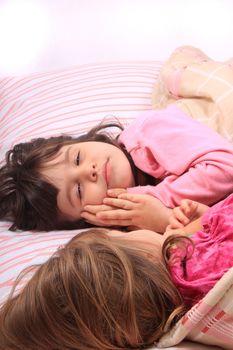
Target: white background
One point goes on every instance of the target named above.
(38, 35)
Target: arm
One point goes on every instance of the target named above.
(193, 227)
(190, 158)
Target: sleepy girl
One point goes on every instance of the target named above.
(128, 181)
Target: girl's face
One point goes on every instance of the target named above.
(151, 241)
(83, 172)
(151, 238)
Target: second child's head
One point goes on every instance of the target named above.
(45, 183)
(103, 290)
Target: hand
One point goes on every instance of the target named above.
(90, 211)
(185, 213)
(138, 210)
(90, 214)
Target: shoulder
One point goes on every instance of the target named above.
(173, 125)
(157, 121)
(171, 117)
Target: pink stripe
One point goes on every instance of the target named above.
(60, 78)
(8, 283)
(58, 87)
(5, 225)
(4, 82)
(32, 132)
(74, 102)
(22, 261)
(25, 262)
(22, 244)
(51, 97)
(81, 90)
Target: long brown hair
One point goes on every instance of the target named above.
(26, 198)
(97, 292)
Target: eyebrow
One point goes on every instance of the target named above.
(67, 155)
(67, 160)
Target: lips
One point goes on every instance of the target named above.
(107, 172)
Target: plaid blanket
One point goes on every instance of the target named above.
(210, 321)
(202, 88)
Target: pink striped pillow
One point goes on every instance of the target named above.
(73, 100)
(66, 101)
(20, 250)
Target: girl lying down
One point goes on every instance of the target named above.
(109, 289)
(64, 182)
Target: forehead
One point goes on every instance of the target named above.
(89, 148)
(92, 145)
(145, 236)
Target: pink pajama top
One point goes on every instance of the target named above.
(212, 255)
(192, 160)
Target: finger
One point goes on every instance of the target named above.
(119, 222)
(168, 228)
(116, 214)
(174, 223)
(132, 197)
(115, 192)
(180, 215)
(100, 223)
(188, 206)
(92, 219)
(118, 203)
(193, 207)
(97, 208)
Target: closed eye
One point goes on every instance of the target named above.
(79, 191)
(77, 160)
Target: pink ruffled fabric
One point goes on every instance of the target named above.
(212, 256)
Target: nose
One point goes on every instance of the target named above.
(93, 173)
(87, 172)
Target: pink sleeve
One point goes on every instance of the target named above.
(193, 161)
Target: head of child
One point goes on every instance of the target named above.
(55, 178)
(103, 290)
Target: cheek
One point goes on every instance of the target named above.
(94, 194)
(128, 173)
(125, 178)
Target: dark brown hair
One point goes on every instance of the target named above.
(97, 292)
(29, 200)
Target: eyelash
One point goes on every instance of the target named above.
(77, 161)
(79, 191)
